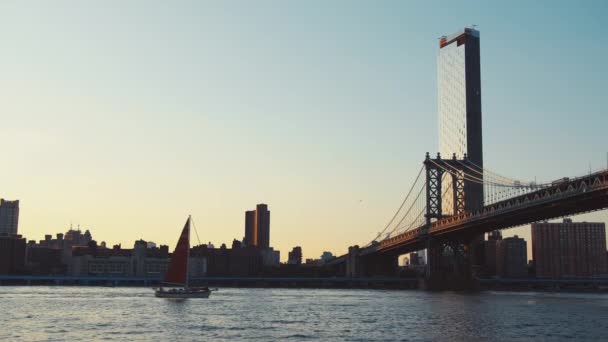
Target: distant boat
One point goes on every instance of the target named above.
(177, 274)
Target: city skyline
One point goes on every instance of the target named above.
(343, 141)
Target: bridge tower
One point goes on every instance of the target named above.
(449, 258)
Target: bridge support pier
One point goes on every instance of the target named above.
(385, 265)
(449, 266)
(353, 267)
(358, 265)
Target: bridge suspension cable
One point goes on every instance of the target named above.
(496, 188)
(403, 204)
(507, 181)
(410, 213)
(415, 205)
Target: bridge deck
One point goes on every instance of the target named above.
(576, 196)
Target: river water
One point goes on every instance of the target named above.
(100, 313)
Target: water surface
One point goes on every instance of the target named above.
(100, 313)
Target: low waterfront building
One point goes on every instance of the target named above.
(327, 257)
(45, 261)
(295, 256)
(270, 257)
(12, 254)
(511, 258)
(139, 261)
(569, 249)
(236, 261)
(489, 251)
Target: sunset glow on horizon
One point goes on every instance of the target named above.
(124, 121)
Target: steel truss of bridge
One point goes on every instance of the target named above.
(564, 198)
(584, 194)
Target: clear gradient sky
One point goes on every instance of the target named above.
(126, 116)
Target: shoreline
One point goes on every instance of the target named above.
(511, 285)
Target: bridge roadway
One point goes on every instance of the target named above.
(580, 195)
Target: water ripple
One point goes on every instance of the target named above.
(118, 314)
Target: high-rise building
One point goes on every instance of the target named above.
(569, 249)
(262, 225)
(489, 249)
(250, 238)
(512, 257)
(9, 217)
(257, 227)
(459, 106)
(295, 256)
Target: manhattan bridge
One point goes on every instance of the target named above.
(454, 200)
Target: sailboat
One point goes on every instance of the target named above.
(177, 273)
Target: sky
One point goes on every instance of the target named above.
(125, 117)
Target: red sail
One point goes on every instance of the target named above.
(177, 273)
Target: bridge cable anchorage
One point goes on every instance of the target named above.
(400, 207)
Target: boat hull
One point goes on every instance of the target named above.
(182, 294)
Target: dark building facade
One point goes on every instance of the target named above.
(489, 249)
(295, 256)
(569, 249)
(45, 261)
(250, 236)
(257, 227)
(12, 254)
(9, 217)
(236, 261)
(512, 258)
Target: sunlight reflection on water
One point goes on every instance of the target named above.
(90, 313)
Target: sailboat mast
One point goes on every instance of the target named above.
(188, 253)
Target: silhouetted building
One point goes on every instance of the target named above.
(415, 259)
(271, 257)
(295, 256)
(257, 227)
(250, 235)
(236, 261)
(45, 260)
(327, 257)
(77, 238)
(9, 217)
(489, 251)
(512, 257)
(569, 249)
(12, 254)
